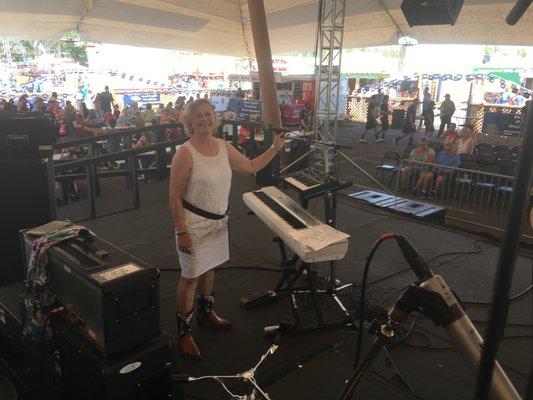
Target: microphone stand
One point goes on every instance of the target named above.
(432, 297)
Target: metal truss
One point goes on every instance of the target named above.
(328, 69)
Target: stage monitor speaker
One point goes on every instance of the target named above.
(27, 201)
(26, 135)
(431, 12)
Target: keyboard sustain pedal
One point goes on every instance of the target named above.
(258, 298)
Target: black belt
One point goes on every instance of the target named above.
(202, 213)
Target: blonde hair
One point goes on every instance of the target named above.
(190, 110)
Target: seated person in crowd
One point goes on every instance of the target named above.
(446, 158)
(116, 111)
(92, 121)
(160, 109)
(422, 153)
(138, 120)
(149, 114)
(125, 118)
(465, 144)
(168, 117)
(79, 126)
(109, 119)
(139, 141)
(451, 135)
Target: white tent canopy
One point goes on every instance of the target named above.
(222, 26)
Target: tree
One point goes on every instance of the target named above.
(69, 46)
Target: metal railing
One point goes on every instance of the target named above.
(474, 196)
(251, 125)
(87, 168)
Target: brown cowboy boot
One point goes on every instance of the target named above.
(185, 340)
(206, 315)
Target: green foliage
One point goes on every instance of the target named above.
(30, 49)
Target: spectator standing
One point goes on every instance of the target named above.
(240, 94)
(384, 116)
(447, 109)
(465, 144)
(379, 97)
(84, 110)
(371, 119)
(39, 105)
(228, 115)
(429, 119)
(409, 125)
(305, 112)
(426, 100)
(106, 100)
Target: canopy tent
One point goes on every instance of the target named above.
(222, 26)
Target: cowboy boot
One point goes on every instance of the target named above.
(207, 316)
(185, 340)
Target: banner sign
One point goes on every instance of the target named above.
(246, 109)
(142, 98)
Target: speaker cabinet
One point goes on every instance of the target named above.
(27, 201)
(431, 12)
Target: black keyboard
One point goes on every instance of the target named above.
(309, 183)
(281, 212)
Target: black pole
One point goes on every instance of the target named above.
(517, 11)
(506, 264)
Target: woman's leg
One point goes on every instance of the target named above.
(206, 282)
(439, 182)
(185, 295)
(206, 301)
(185, 302)
(405, 178)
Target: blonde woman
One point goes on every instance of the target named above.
(200, 180)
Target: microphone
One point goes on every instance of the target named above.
(517, 11)
(413, 258)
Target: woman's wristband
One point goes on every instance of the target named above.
(274, 148)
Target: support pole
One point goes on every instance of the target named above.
(269, 97)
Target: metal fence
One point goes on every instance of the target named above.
(474, 196)
(88, 168)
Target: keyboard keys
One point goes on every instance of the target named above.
(280, 211)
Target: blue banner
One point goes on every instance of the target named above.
(246, 109)
(142, 98)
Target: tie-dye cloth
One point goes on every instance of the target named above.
(39, 294)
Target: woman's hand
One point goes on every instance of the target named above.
(279, 140)
(184, 243)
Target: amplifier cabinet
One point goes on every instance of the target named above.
(144, 373)
(114, 294)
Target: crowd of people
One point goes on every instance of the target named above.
(379, 111)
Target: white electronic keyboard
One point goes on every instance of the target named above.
(288, 220)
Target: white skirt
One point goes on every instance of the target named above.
(206, 253)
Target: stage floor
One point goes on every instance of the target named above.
(316, 364)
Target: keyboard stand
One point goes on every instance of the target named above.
(292, 269)
(330, 211)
